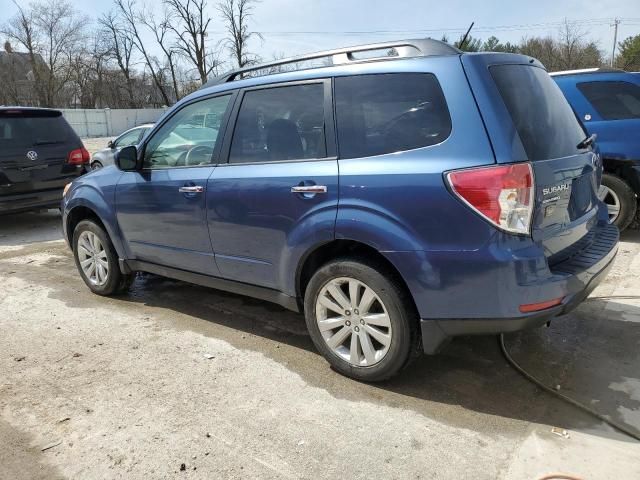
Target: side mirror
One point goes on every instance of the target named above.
(110, 144)
(127, 158)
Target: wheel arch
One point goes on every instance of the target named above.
(338, 248)
(78, 214)
(94, 208)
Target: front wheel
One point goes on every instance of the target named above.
(96, 165)
(361, 319)
(620, 200)
(97, 260)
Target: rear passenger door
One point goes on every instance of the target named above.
(278, 192)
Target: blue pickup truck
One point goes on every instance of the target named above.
(607, 101)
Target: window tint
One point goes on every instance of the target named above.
(613, 100)
(185, 140)
(545, 122)
(378, 114)
(28, 131)
(280, 123)
(129, 138)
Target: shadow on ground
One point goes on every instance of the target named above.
(592, 353)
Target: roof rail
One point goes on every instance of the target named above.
(586, 70)
(423, 47)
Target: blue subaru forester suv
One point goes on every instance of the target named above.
(399, 194)
(607, 101)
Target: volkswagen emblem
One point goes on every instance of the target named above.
(31, 155)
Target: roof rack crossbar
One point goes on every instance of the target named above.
(340, 56)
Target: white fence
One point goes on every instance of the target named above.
(108, 123)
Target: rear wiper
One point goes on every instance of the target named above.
(587, 141)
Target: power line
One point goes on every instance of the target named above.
(481, 29)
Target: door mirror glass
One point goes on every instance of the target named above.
(127, 158)
(110, 144)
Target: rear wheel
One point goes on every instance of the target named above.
(360, 319)
(97, 260)
(620, 200)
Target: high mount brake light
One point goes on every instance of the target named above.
(503, 194)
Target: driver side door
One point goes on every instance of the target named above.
(161, 209)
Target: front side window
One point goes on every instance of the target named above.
(386, 113)
(613, 100)
(129, 138)
(186, 140)
(280, 123)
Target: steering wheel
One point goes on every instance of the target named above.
(203, 150)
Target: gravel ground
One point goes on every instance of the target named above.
(95, 144)
(178, 381)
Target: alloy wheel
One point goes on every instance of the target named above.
(353, 321)
(611, 199)
(93, 258)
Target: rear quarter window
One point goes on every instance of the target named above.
(613, 100)
(544, 120)
(387, 113)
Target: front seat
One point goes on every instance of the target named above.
(283, 140)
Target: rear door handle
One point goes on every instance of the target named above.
(309, 189)
(191, 189)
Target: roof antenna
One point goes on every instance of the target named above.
(466, 35)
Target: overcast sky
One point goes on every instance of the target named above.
(296, 26)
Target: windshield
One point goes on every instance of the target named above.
(545, 122)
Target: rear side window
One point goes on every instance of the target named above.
(32, 129)
(386, 113)
(280, 123)
(613, 100)
(545, 122)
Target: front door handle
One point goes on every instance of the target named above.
(309, 189)
(191, 189)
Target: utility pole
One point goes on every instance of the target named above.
(616, 22)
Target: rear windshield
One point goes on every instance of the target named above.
(613, 100)
(546, 124)
(28, 130)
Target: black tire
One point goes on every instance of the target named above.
(626, 197)
(96, 165)
(116, 281)
(405, 341)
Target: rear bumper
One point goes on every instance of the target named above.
(30, 201)
(577, 277)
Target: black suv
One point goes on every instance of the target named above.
(39, 154)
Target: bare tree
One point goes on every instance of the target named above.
(120, 49)
(22, 29)
(236, 15)
(163, 33)
(574, 51)
(190, 24)
(131, 21)
(52, 32)
(62, 30)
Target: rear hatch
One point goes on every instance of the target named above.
(529, 119)
(35, 145)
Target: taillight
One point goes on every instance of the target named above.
(503, 194)
(79, 156)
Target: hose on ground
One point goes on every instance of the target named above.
(618, 426)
